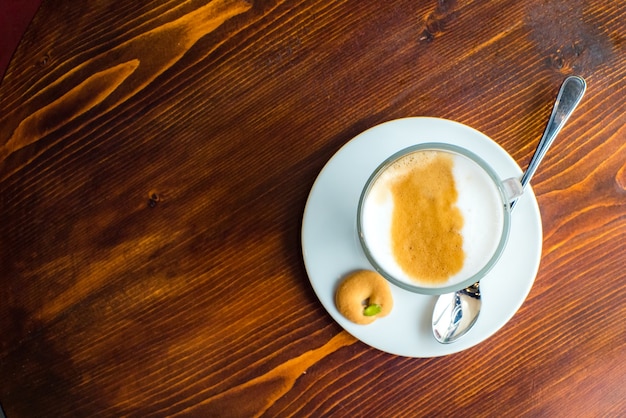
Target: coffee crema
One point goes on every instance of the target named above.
(426, 224)
(432, 218)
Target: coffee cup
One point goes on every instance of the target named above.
(434, 217)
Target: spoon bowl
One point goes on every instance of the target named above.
(455, 313)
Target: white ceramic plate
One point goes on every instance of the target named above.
(331, 247)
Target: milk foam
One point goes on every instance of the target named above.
(478, 200)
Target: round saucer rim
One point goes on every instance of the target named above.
(425, 123)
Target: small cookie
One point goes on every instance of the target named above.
(363, 296)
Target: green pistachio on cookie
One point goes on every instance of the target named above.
(372, 309)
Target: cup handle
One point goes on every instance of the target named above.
(513, 189)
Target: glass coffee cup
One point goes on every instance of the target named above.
(434, 218)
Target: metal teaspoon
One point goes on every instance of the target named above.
(455, 313)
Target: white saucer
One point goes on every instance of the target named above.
(331, 247)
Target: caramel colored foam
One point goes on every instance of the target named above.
(426, 223)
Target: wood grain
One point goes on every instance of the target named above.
(155, 162)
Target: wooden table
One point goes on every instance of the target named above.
(155, 161)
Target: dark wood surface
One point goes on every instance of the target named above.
(155, 160)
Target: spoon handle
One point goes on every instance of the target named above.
(569, 96)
